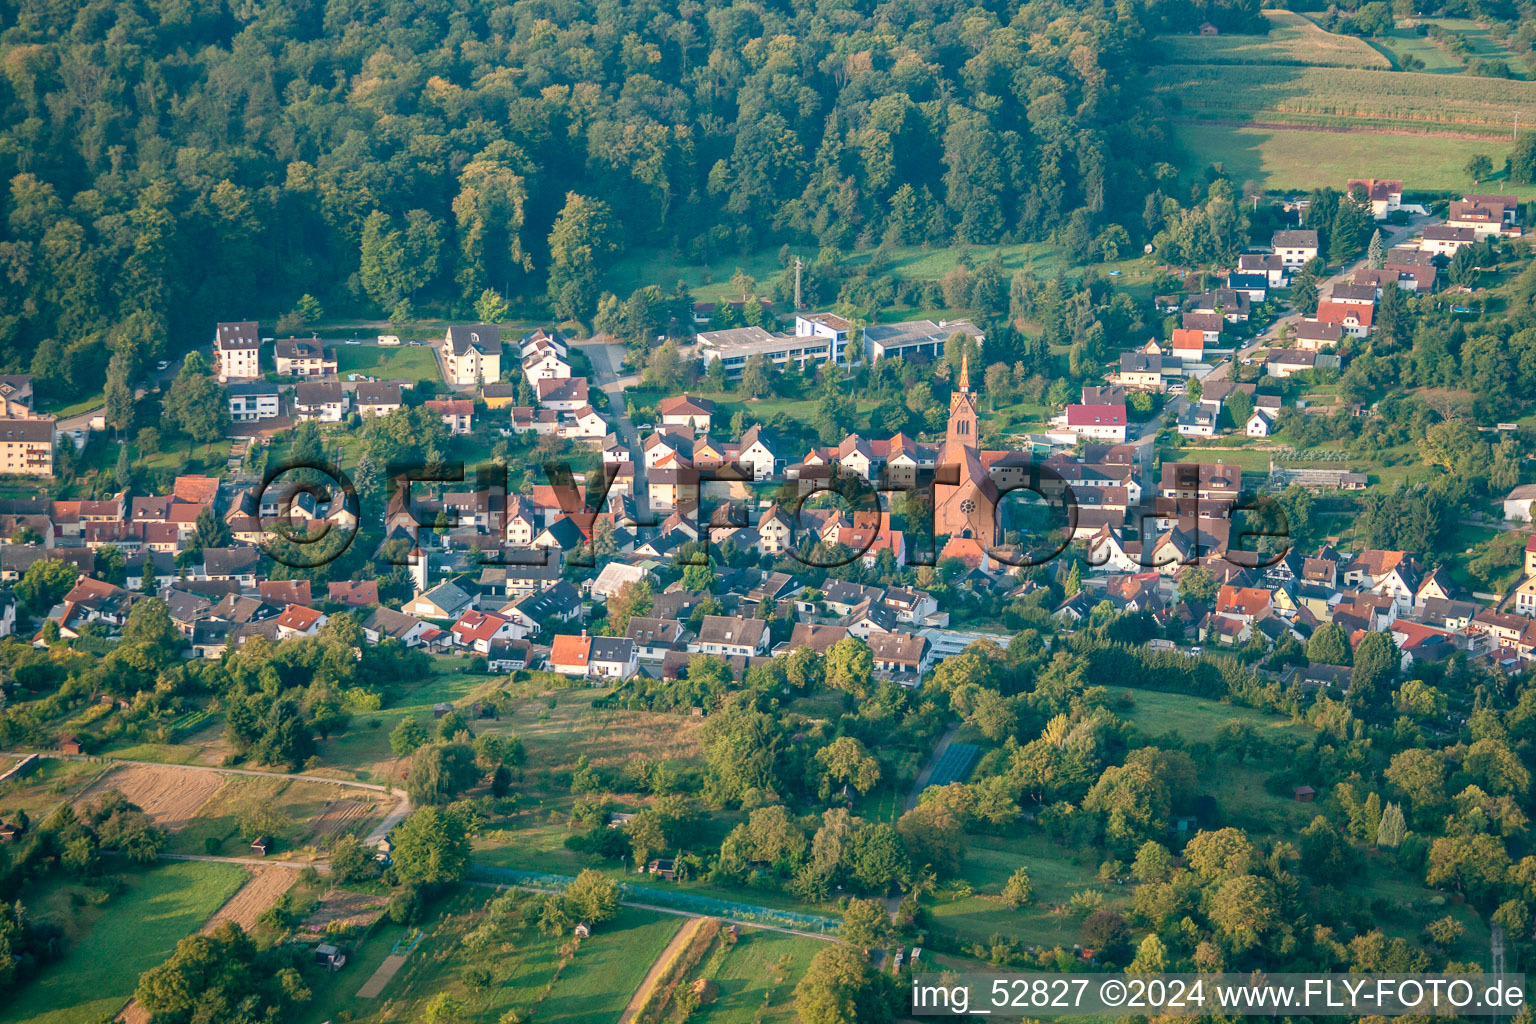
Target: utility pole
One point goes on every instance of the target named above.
(799, 263)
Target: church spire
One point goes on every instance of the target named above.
(965, 370)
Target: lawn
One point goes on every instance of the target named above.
(1055, 872)
(757, 980)
(1283, 159)
(596, 985)
(133, 932)
(406, 362)
(1194, 718)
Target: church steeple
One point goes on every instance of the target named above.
(962, 414)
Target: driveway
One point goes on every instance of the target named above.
(607, 359)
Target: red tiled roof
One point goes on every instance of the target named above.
(570, 650)
(1091, 415)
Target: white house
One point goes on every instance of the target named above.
(1518, 502)
(1295, 248)
(471, 353)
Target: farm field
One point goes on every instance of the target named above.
(757, 979)
(315, 811)
(409, 362)
(135, 931)
(1292, 39)
(255, 896)
(171, 796)
(1350, 98)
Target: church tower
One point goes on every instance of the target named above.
(962, 416)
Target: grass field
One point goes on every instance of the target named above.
(1292, 39)
(1403, 42)
(133, 932)
(1194, 718)
(595, 985)
(757, 980)
(1351, 98)
(410, 362)
(1054, 871)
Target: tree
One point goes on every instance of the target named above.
(866, 924)
(1197, 584)
(490, 307)
(579, 244)
(1376, 664)
(1329, 645)
(1522, 162)
(195, 404)
(846, 760)
(1376, 254)
(1017, 891)
(407, 736)
(350, 862)
(44, 584)
(1478, 167)
(849, 666)
(440, 772)
(1393, 829)
(1220, 854)
(841, 987)
(592, 897)
(756, 377)
(431, 846)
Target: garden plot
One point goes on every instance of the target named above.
(253, 898)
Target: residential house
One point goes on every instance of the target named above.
(654, 637)
(1295, 248)
(376, 399)
(471, 354)
(26, 447)
(1096, 422)
(324, 401)
(457, 414)
(298, 620)
(304, 357)
(1141, 371)
(383, 623)
(731, 636)
(1518, 503)
(1282, 363)
(1381, 195)
(250, 401)
(1316, 335)
(691, 413)
(236, 351)
(1270, 264)
(1353, 318)
(353, 593)
(1443, 240)
(1208, 324)
(902, 656)
(563, 394)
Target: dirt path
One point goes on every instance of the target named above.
(679, 942)
(381, 977)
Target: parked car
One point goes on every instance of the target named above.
(389, 339)
(163, 365)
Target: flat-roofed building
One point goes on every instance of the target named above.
(735, 346)
(915, 337)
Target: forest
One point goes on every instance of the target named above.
(171, 164)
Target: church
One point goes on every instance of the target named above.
(964, 506)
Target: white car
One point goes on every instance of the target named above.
(352, 341)
(162, 365)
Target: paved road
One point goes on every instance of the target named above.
(606, 360)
